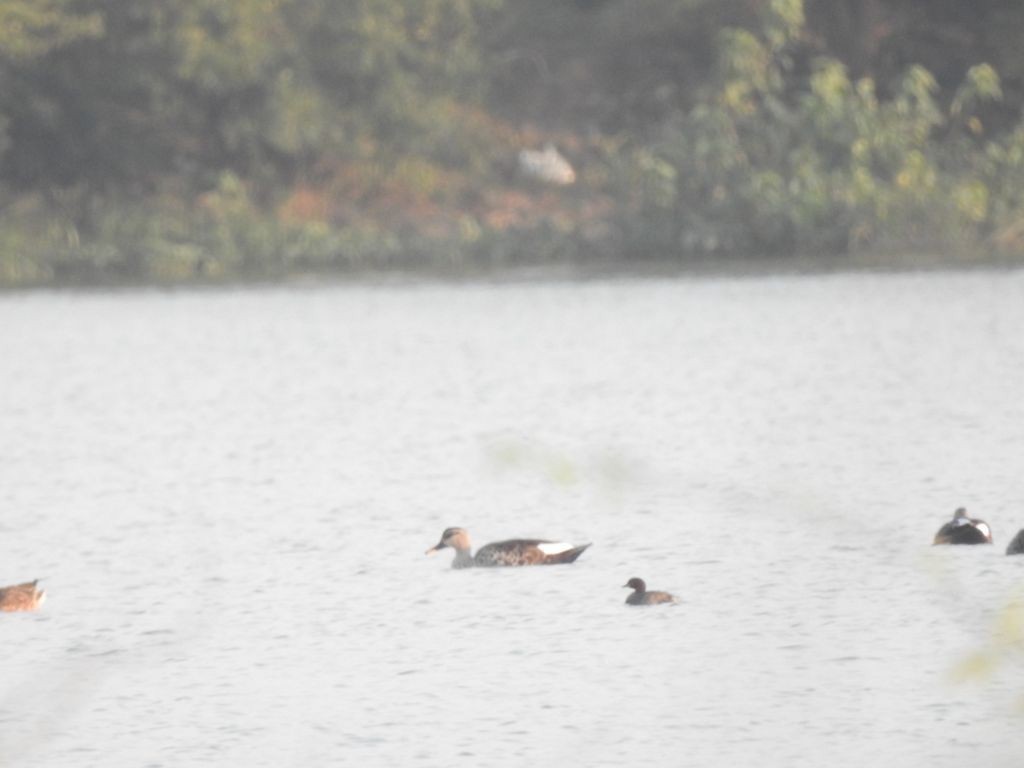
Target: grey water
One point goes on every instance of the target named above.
(228, 494)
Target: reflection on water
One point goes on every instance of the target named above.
(228, 495)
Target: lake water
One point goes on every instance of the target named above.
(229, 494)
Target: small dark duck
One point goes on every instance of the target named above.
(964, 530)
(506, 553)
(1016, 547)
(642, 596)
(22, 597)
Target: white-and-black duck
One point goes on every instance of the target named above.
(643, 596)
(1016, 547)
(964, 530)
(506, 553)
(22, 597)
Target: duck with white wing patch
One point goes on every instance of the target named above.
(512, 552)
(964, 530)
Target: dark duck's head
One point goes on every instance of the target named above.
(636, 584)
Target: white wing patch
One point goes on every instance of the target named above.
(983, 527)
(553, 547)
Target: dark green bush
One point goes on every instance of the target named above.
(779, 158)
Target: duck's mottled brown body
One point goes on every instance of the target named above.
(642, 596)
(513, 552)
(964, 530)
(22, 597)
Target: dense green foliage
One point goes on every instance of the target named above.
(182, 139)
(778, 161)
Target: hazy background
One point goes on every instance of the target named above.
(207, 140)
(294, 285)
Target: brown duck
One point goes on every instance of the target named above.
(506, 553)
(22, 597)
(964, 530)
(642, 596)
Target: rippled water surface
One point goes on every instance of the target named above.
(229, 494)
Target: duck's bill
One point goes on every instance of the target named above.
(436, 548)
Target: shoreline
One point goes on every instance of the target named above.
(554, 271)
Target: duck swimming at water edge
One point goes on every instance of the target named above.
(642, 596)
(22, 597)
(512, 552)
(964, 530)
(1016, 547)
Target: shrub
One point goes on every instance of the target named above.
(783, 158)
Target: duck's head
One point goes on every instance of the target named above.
(456, 538)
(960, 512)
(637, 584)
